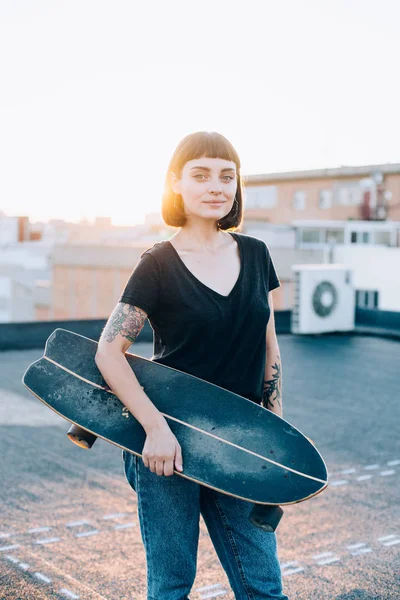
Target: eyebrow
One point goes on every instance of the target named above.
(230, 169)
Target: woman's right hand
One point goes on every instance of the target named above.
(162, 452)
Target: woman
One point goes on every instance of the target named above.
(207, 294)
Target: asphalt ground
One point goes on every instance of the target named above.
(69, 525)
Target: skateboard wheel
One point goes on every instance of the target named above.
(81, 437)
(266, 517)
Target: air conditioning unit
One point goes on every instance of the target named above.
(324, 298)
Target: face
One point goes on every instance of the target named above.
(207, 186)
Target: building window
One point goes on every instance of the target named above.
(310, 236)
(367, 299)
(344, 197)
(334, 236)
(261, 196)
(325, 199)
(299, 200)
(382, 237)
(349, 194)
(321, 236)
(360, 237)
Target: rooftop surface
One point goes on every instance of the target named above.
(70, 527)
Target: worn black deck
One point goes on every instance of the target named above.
(229, 443)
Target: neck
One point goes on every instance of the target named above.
(201, 234)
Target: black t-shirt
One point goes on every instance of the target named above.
(221, 339)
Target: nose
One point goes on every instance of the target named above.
(215, 187)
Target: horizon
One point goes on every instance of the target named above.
(91, 220)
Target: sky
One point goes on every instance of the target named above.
(95, 95)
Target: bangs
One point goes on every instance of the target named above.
(203, 143)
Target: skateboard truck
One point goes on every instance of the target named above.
(81, 437)
(265, 516)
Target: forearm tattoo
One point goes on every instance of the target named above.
(126, 320)
(272, 392)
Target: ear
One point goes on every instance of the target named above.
(174, 181)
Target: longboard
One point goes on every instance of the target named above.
(229, 443)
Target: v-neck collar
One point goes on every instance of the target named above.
(238, 280)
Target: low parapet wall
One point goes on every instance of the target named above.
(23, 336)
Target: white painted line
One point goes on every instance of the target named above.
(371, 467)
(355, 546)
(292, 571)
(390, 472)
(392, 543)
(86, 533)
(68, 593)
(77, 523)
(24, 566)
(115, 516)
(13, 547)
(323, 555)
(328, 561)
(361, 551)
(386, 537)
(38, 529)
(12, 558)
(292, 563)
(364, 477)
(41, 577)
(5, 535)
(124, 526)
(393, 463)
(214, 594)
(347, 471)
(339, 482)
(209, 587)
(47, 541)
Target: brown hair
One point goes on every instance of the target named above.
(196, 145)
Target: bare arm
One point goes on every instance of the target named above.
(120, 331)
(272, 392)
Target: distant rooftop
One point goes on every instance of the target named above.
(343, 171)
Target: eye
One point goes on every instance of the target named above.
(200, 177)
(227, 177)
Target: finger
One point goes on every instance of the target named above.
(169, 468)
(178, 459)
(160, 467)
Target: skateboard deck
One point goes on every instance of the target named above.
(228, 442)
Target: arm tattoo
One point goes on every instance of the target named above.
(273, 386)
(126, 320)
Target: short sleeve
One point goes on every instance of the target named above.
(272, 277)
(273, 281)
(142, 288)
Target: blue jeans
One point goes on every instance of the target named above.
(169, 516)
